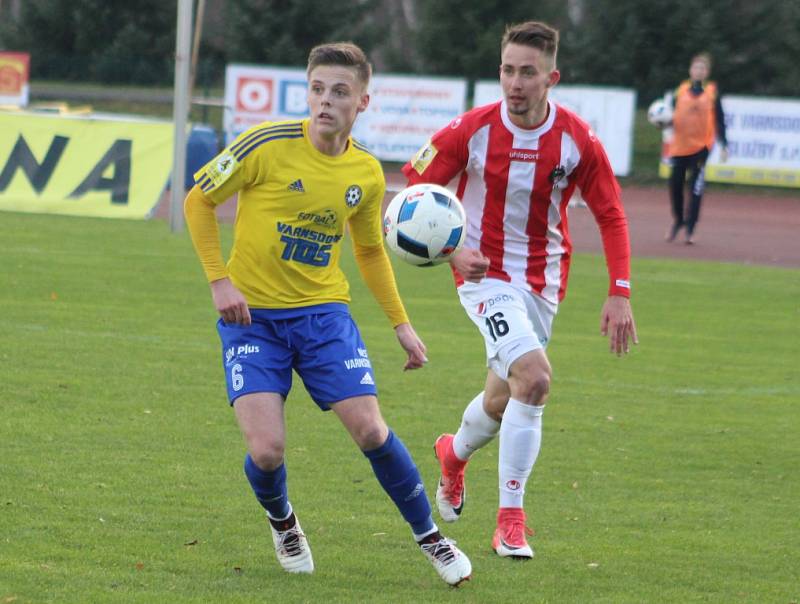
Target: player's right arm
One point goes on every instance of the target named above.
(438, 162)
(240, 165)
(201, 220)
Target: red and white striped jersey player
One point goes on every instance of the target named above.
(519, 161)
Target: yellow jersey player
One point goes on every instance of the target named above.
(282, 298)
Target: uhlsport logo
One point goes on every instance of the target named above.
(485, 306)
(352, 196)
(523, 155)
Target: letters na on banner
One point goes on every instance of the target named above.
(78, 166)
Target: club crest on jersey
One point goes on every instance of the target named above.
(558, 173)
(352, 196)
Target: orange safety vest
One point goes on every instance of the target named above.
(694, 124)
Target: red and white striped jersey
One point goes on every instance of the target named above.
(515, 185)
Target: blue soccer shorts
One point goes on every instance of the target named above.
(321, 343)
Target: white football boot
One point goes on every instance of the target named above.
(291, 548)
(450, 562)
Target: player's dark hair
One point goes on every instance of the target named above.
(345, 54)
(534, 34)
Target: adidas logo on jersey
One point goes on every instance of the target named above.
(297, 186)
(367, 379)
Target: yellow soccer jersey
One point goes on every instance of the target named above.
(294, 202)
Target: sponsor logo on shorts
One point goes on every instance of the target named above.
(485, 306)
(367, 379)
(357, 363)
(242, 350)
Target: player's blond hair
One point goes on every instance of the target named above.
(534, 34)
(345, 54)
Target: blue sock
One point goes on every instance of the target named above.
(400, 478)
(269, 488)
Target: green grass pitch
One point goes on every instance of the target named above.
(667, 476)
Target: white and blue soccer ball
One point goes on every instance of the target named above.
(659, 113)
(425, 224)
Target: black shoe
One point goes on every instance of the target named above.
(672, 232)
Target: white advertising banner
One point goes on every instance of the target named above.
(609, 112)
(403, 113)
(763, 143)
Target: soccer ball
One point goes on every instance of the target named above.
(659, 113)
(425, 224)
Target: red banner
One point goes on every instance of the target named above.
(14, 74)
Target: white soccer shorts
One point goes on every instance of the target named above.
(512, 320)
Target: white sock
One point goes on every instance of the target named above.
(419, 538)
(476, 429)
(520, 440)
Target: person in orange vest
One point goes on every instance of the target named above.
(697, 120)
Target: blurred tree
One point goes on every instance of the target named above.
(648, 46)
(281, 32)
(462, 37)
(96, 40)
(643, 45)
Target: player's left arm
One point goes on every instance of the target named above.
(376, 270)
(600, 190)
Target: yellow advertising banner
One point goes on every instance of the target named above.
(83, 165)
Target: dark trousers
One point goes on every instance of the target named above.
(695, 164)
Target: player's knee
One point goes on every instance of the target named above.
(532, 388)
(267, 455)
(370, 436)
(529, 379)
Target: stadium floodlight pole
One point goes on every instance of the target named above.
(180, 110)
